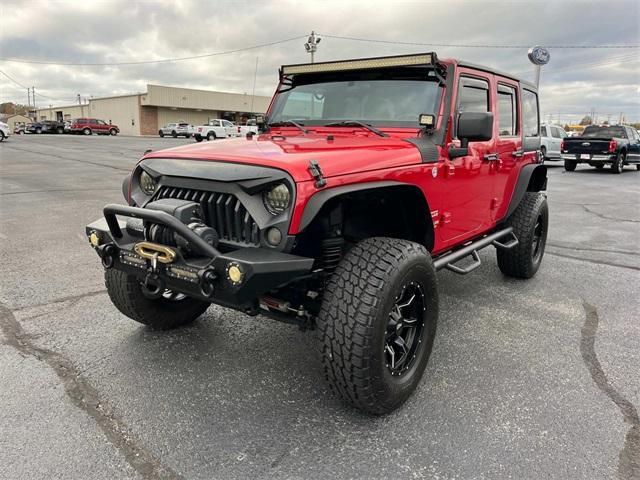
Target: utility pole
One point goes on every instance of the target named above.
(312, 44)
(33, 97)
(253, 92)
(28, 99)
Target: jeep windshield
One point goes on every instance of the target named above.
(383, 102)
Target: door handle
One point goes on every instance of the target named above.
(491, 157)
(517, 153)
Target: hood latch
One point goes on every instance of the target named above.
(316, 173)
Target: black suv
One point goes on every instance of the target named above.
(46, 126)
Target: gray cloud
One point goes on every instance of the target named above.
(574, 82)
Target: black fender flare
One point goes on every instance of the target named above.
(532, 178)
(319, 199)
(125, 187)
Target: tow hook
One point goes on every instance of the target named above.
(153, 286)
(107, 254)
(207, 279)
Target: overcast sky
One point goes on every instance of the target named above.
(574, 82)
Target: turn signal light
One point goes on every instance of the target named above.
(612, 146)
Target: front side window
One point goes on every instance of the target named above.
(507, 111)
(473, 95)
(530, 117)
(369, 97)
(555, 132)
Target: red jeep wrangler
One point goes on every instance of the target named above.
(366, 178)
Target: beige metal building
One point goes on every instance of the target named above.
(14, 119)
(145, 113)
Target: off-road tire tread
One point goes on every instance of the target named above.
(516, 262)
(346, 321)
(160, 314)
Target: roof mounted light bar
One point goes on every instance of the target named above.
(362, 64)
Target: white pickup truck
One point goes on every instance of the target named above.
(219, 128)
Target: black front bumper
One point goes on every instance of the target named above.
(205, 276)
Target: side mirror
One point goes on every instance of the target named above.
(472, 127)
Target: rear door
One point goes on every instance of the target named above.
(508, 142)
(633, 154)
(466, 201)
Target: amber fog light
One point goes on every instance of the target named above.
(234, 273)
(274, 236)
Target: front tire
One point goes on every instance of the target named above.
(618, 164)
(570, 165)
(198, 138)
(86, 131)
(2, 136)
(163, 313)
(377, 323)
(161, 133)
(174, 134)
(113, 132)
(530, 223)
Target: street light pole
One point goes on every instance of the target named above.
(312, 45)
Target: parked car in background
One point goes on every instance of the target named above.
(20, 128)
(550, 139)
(618, 145)
(176, 130)
(216, 128)
(89, 126)
(4, 131)
(46, 126)
(67, 125)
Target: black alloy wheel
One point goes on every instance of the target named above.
(403, 338)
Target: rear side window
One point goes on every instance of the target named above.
(507, 111)
(530, 117)
(473, 95)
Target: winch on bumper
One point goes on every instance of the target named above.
(234, 279)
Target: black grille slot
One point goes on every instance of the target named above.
(222, 211)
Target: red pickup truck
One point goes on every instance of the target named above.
(89, 126)
(367, 176)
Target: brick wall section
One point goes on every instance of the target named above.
(148, 120)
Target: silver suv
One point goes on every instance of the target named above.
(180, 129)
(551, 138)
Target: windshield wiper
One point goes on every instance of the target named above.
(282, 123)
(347, 123)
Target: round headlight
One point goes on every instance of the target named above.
(277, 199)
(147, 183)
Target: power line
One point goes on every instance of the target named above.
(466, 45)
(147, 62)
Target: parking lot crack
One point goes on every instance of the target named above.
(590, 249)
(597, 262)
(85, 397)
(629, 457)
(606, 217)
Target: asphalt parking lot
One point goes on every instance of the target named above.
(535, 379)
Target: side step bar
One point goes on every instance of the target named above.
(448, 260)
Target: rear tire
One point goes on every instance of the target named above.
(618, 164)
(38, 131)
(2, 136)
(530, 223)
(198, 138)
(211, 136)
(86, 131)
(174, 134)
(570, 165)
(60, 130)
(362, 317)
(162, 313)
(161, 133)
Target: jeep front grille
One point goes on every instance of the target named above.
(222, 211)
